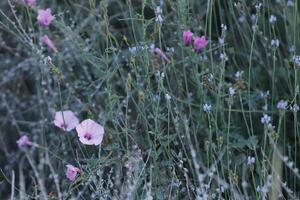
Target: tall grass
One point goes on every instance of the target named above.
(162, 139)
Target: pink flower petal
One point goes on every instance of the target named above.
(66, 120)
(45, 17)
(24, 141)
(90, 132)
(72, 172)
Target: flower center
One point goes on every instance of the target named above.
(63, 126)
(87, 136)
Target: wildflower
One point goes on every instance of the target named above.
(132, 50)
(265, 95)
(46, 40)
(253, 18)
(272, 19)
(221, 40)
(159, 52)
(158, 10)
(223, 27)
(45, 17)
(275, 43)
(223, 57)
(187, 37)
(295, 108)
(282, 105)
(24, 141)
(207, 108)
(168, 97)
(200, 43)
(296, 60)
(265, 119)
(238, 74)
(250, 160)
(72, 172)
(290, 3)
(90, 132)
(30, 3)
(231, 91)
(66, 120)
(159, 19)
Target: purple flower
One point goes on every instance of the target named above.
(24, 141)
(200, 43)
(66, 120)
(72, 172)
(161, 54)
(45, 17)
(30, 3)
(187, 37)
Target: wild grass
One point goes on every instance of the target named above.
(206, 125)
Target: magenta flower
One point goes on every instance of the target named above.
(200, 43)
(187, 37)
(72, 172)
(45, 17)
(66, 120)
(161, 54)
(30, 3)
(24, 141)
(90, 132)
(46, 40)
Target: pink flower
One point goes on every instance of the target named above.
(187, 37)
(30, 3)
(45, 17)
(159, 52)
(24, 141)
(66, 120)
(200, 43)
(46, 40)
(72, 172)
(90, 132)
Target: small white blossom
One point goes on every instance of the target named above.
(265, 107)
(253, 18)
(258, 6)
(168, 97)
(238, 74)
(265, 119)
(231, 91)
(159, 19)
(272, 19)
(158, 10)
(223, 27)
(221, 40)
(250, 160)
(275, 43)
(296, 60)
(207, 107)
(282, 105)
(132, 50)
(295, 108)
(265, 94)
(223, 57)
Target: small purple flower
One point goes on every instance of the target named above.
(200, 43)
(45, 17)
(265, 119)
(282, 105)
(187, 37)
(24, 141)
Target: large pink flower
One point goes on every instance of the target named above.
(187, 37)
(24, 141)
(200, 43)
(66, 120)
(72, 172)
(46, 40)
(45, 17)
(90, 132)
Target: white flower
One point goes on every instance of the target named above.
(158, 10)
(159, 19)
(223, 27)
(253, 18)
(275, 43)
(231, 91)
(132, 50)
(168, 97)
(265, 119)
(265, 107)
(272, 19)
(250, 160)
(238, 74)
(207, 107)
(295, 108)
(221, 40)
(296, 60)
(282, 105)
(223, 57)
